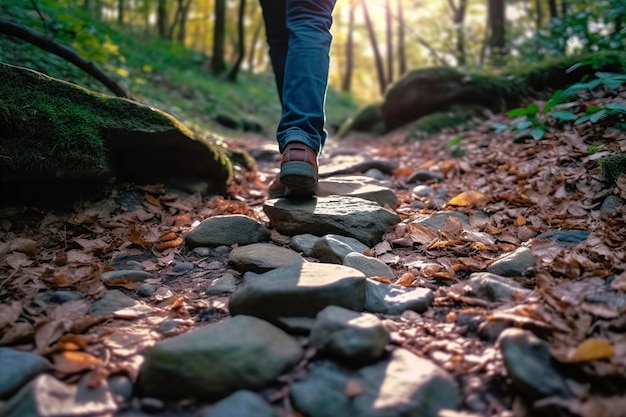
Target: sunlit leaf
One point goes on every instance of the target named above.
(563, 115)
(70, 362)
(593, 349)
(468, 198)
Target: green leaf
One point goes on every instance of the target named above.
(597, 116)
(524, 124)
(616, 107)
(532, 108)
(499, 127)
(520, 111)
(537, 133)
(582, 119)
(553, 100)
(563, 115)
(592, 110)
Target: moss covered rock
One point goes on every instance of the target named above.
(367, 119)
(52, 130)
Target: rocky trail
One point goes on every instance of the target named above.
(470, 274)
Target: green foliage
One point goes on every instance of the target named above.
(534, 121)
(613, 166)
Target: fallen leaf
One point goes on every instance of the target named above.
(592, 349)
(17, 260)
(407, 280)
(70, 362)
(9, 313)
(521, 221)
(170, 244)
(619, 283)
(153, 200)
(468, 198)
(168, 236)
(28, 246)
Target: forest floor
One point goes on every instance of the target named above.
(522, 187)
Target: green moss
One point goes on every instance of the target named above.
(367, 119)
(613, 166)
(458, 117)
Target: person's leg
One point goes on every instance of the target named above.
(306, 73)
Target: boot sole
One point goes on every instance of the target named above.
(299, 177)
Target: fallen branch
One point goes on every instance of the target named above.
(46, 43)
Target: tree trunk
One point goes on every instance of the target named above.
(380, 70)
(538, 15)
(497, 40)
(241, 45)
(401, 39)
(218, 65)
(390, 54)
(120, 12)
(255, 41)
(346, 82)
(48, 44)
(458, 20)
(184, 14)
(554, 12)
(162, 18)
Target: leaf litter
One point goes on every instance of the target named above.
(512, 191)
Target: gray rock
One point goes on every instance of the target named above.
(227, 230)
(348, 216)
(357, 187)
(182, 268)
(242, 403)
(402, 386)
(423, 175)
(529, 365)
(46, 396)
(146, 290)
(225, 284)
(334, 248)
(303, 243)
(611, 204)
(395, 299)
(121, 388)
(295, 325)
(262, 257)
(113, 300)
(18, 368)
(371, 267)
(494, 288)
(356, 166)
(423, 190)
(129, 275)
(59, 297)
(566, 237)
(437, 221)
(299, 290)
(513, 264)
(376, 174)
(351, 337)
(216, 360)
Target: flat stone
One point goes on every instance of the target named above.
(493, 288)
(225, 284)
(334, 248)
(513, 264)
(227, 230)
(423, 190)
(59, 297)
(529, 365)
(371, 267)
(404, 385)
(262, 257)
(566, 237)
(299, 290)
(424, 175)
(350, 337)
(18, 368)
(395, 299)
(363, 220)
(438, 221)
(303, 243)
(300, 326)
(356, 186)
(46, 396)
(146, 290)
(242, 403)
(129, 275)
(214, 361)
(611, 204)
(112, 301)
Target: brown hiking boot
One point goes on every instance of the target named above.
(298, 172)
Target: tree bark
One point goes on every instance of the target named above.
(346, 82)
(380, 70)
(182, 30)
(538, 15)
(120, 12)
(554, 12)
(241, 44)
(162, 17)
(255, 41)
(401, 40)
(458, 20)
(390, 51)
(497, 40)
(218, 65)
(47, 44)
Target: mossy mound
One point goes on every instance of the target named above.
(367, 119)
(613, 166)
(457, 117)
(52, 130)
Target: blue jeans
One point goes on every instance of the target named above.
(298, 35)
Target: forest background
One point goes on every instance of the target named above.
(206, 61)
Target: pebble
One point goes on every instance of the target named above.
(371, 267)
(395, 299)
(242, 403)
(513, 264)
(262, 257)
(334, 248)
(227, 230)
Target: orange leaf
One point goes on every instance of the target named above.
(168, 236)
(170, 244)
(403, 172)
(407, 280)
(177, 303)
(153, 200)
(592, 349)
(70, 362)
(468, 198)
(521, 221)
(384, 280)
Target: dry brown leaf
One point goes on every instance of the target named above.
(521, 221)
(48, 332)
(28, 246)
(153, 200)
(407, 280)
(70, 362)
(18, 260)
(384, 280)
(619, 283)
(168, 236)
(469, 198)
(592, 349)
(17, 332)
(170, 244)
(9, 313)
